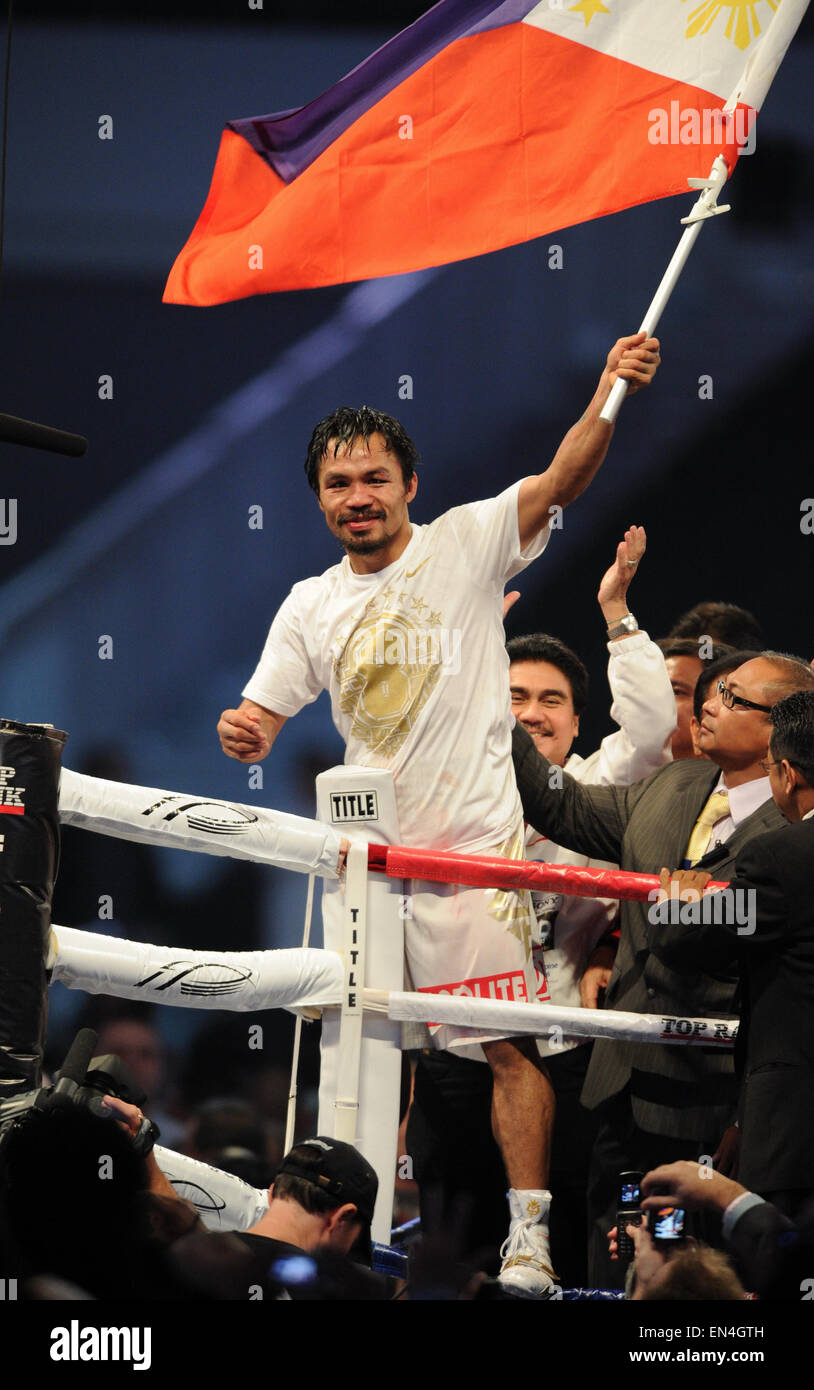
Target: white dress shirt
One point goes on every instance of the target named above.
(743, 800)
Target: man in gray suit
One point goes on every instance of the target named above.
(659, 1103)
(774, 1056)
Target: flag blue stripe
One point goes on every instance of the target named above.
(290, 141)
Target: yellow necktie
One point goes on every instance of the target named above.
(714, 810)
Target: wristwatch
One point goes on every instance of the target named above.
(622, 626)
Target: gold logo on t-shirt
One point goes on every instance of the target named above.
(386, 672)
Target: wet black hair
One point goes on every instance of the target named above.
(348, 424)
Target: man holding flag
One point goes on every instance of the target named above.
(483, 124)
(406, 634)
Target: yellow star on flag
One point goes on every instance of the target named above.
(589, 8)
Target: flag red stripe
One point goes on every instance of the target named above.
(515, 133)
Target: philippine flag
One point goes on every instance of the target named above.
(481, 125)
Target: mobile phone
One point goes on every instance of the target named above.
(667, 1225)
(628, 1211)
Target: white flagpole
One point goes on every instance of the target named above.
(750, 91)
(704, 208)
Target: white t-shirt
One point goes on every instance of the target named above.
(415, 662)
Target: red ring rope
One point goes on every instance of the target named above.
(481, 871)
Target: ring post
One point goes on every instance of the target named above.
(359, 1102)
(346, 1104)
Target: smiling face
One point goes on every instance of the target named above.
(543, 703)
(364, 498)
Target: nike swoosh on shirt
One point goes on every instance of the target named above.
(409, 573)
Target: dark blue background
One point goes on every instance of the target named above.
(146, 538)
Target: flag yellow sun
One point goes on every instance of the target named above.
(742, 23)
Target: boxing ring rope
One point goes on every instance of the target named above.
(173, 819)
(299, 977)
(295, 977)
(203, 824)
(362, 1017)
(483, 871)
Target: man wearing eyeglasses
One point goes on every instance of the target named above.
(775, 1050)
(658, 1103)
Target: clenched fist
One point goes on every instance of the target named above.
(242, 734)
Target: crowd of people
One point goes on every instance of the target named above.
(709, 775)
(743, 721)
(725, 1137)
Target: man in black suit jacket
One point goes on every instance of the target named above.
(773, 896)
(659, 1102)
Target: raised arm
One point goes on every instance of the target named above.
(615, 582)
(581, 452)
(247, 733)
(643, 704)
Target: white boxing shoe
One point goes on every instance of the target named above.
(526, 1269)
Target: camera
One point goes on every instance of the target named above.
(628, 1211)
(83, 1083)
